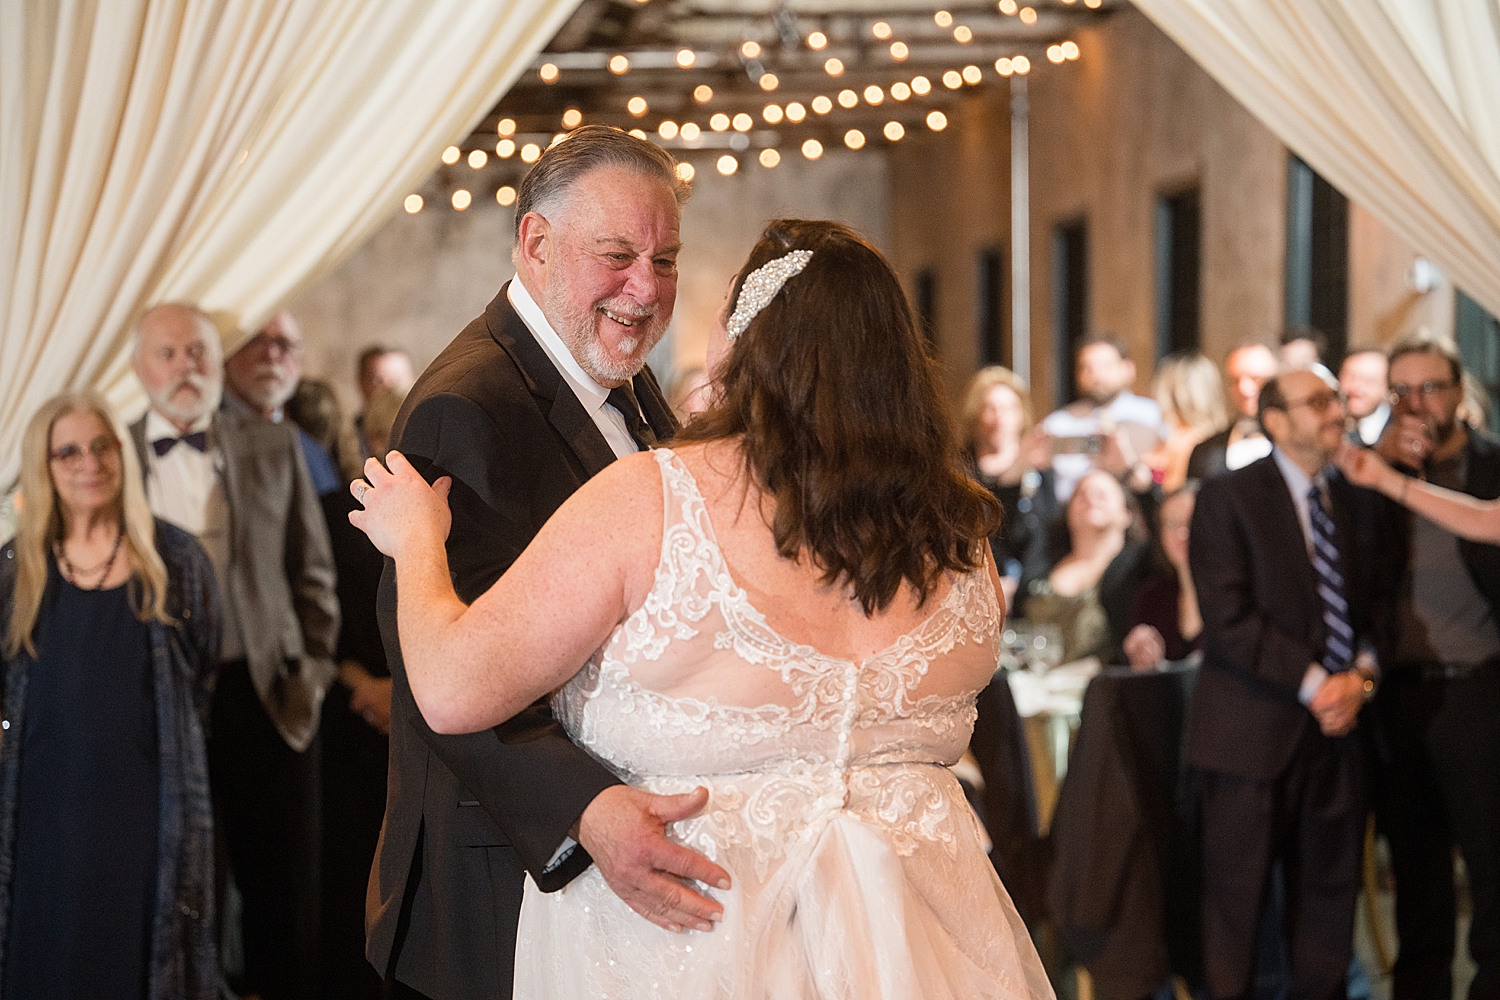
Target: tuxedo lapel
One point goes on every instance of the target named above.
(1281, 529)
(654, 406)
(564, 411)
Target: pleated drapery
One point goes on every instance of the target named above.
(223, 152)
(1396, 102)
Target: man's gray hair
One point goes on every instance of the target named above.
(210, 328)
(590, 148)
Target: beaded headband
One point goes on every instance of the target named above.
(761, 286)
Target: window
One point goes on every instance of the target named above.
(927, 305)
(1317, 258)
(1070, 288)
(994, 344)
(1179, 263)
(1477, 335)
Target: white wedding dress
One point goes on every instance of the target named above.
(856, 862)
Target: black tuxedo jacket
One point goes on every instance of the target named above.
(468, 816)
(1482, 562)
(1262, 617)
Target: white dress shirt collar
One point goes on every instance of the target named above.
(1298, 482)
(158, 426)
(590, 393)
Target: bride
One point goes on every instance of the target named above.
(794, 608)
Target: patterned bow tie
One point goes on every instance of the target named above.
(197, 439)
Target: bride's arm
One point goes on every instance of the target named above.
(1467, 517)
(473, 667)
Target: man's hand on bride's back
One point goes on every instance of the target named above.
(624, 831)
(400, 509)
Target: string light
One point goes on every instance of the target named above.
(412, 204)
(727, 164)
(742, 122)
(548, 72)
(817, 41)
(834, 66)
(685, 171)
(703, 93)
(572, 117)
(894, 131)
(921, 86)
(667, 130)
(1021, 65)
(963, 35)
(750, 50)
(719, 122)
(1003, 66)
(880, 30)
(822, 105)
(1009, 7)
(636, 106)
(505, 148)
(943, 19)
(558, 137)
(506, 196)
(477, 159)
(686, 58)
(795, 112)
(972, 75)
(854, 139)
(507, 127)
(619, 65)
(769, 81)
(900, 91)
(936, 120)
(1092, 4)
(690, 131)
(461, 199)
(1069, 50)
(848, 98)
(873, 94)
(812, 149)
(1055, 54)
(451, 155)
(769, 158)
(772, 113)
(953, 79)
(639, 133)
(1028, 15)
(899, 51)
(531, 152)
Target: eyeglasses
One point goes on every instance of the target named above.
(1431, 387)
(1319, 402)
(70, 456)
(285, 346)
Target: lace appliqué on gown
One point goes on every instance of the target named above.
(856, 861)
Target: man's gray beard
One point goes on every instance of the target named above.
(211, 391)
(577, 332)
(276, 393)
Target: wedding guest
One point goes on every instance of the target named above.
(263, 375)
(314, 408)
(1441, 695)
(1106, 408)
(239, 483)
(1089, 593)
(111, 634)
(1015, 465)
(1165, 622)
(1191, 395)
(380, 367)
(1363, 378)
(1247, 368)
(1302, 346)
(1279, 562)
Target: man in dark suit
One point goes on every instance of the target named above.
(1287, 668)
(1440, 705)
(240, 484)
(1246, 369)
(533, 398)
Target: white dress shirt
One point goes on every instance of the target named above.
(1081, 420)
(593, 396)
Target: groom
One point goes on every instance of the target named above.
(534, 397)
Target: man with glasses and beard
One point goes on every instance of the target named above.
(1440, 705)
(538, 394)
(240, 484)
(1278, 555)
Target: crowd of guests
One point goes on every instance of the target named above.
(1349, 648)
(195, 685)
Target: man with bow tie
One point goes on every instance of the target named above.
(242, 486)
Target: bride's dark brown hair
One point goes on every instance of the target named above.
(836, 401)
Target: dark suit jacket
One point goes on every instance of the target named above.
(1262, 617)
(468, 816)
(1482, 480)
(1207, 458)
(280, 578)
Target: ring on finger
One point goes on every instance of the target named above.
(360, 489)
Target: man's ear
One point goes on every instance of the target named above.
(535, 239)
(1275, 424)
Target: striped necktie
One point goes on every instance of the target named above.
(1338, 647)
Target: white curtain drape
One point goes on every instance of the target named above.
(1396, 102)
(222, 152)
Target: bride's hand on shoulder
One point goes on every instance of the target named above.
(400, 509)
(1363, 467)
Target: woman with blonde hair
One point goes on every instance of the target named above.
(110, 628)
(1190, 391)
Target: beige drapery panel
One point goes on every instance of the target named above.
(1396, 102)
(217, 151)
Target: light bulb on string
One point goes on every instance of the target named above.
(412, 204)
(769, 158)
(817, 41)
(795, 112)
(899, 51)
(451, 155)
(936, 120)
(854, 139)
(921, 86)
(461, 199)
(822, 105)
(506, 196)
(548, 72)
(703, 93)
(686, 58)
(812, 149)
(727, 165)
(900, 91)
(619, 65)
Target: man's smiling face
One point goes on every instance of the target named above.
(612, 274)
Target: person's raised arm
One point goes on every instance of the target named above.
(1465, 516)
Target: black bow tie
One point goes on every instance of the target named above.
(197, 439)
